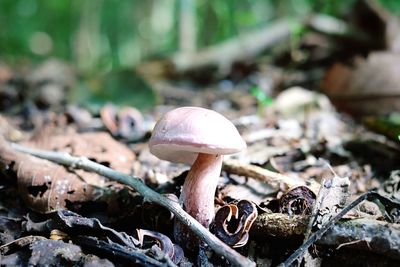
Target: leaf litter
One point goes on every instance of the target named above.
(98, 221)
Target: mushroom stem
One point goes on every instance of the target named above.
(199, 188)
(197, 197)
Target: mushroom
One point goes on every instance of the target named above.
(199, 137)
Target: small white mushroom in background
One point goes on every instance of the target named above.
(200, 137)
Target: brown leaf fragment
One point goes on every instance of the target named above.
(370, 87)
(46, 186)
(127, 123)
(330, 200)
(99, 147)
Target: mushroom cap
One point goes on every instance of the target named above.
(184, 132)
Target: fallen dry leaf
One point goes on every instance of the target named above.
(46, 186)
(370, 87)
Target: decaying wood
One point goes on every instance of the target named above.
(276, 180)
(386, 203)
(83, 163)
(364, 234)
(279, 225)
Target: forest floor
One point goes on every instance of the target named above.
(319, 123)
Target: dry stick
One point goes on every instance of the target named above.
(272, 178)
(83, 163)
(315, 236)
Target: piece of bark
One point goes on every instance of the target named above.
(330, 200)
(279, 225)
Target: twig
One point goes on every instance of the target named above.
(83, 163)
(272, 178)
(315, 236)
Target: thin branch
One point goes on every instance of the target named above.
(83, 163)
(274, 179)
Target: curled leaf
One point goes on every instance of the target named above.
(174, 252)
(297, 201)
(232, 222)
(126, 123)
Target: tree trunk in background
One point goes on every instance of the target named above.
(87, 43)
(187, 26)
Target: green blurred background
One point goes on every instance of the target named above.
(105, 39)
(104, 35)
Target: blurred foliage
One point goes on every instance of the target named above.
(387, 125)
(102, 38)
(101, 35)
(263, 100)
(122, 88)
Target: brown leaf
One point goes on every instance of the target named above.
(46, 186)
(232, 222)
(370, 87)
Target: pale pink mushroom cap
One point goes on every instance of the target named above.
(184, 132)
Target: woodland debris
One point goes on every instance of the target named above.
(51, 252)
(19, 243)
(127, 123)
(297, 101)
(370, 87)
(46, 186)
(363, 233)
(213, 242)
(274, 179)
(331, 198)
(120, 252)
(240, 216)
(391, 207)
(298, 200)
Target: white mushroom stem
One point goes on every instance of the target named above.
(199, 188)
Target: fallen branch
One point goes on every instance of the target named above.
(362, 234)
(150, 195)
(386, 203)
(274, 179)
